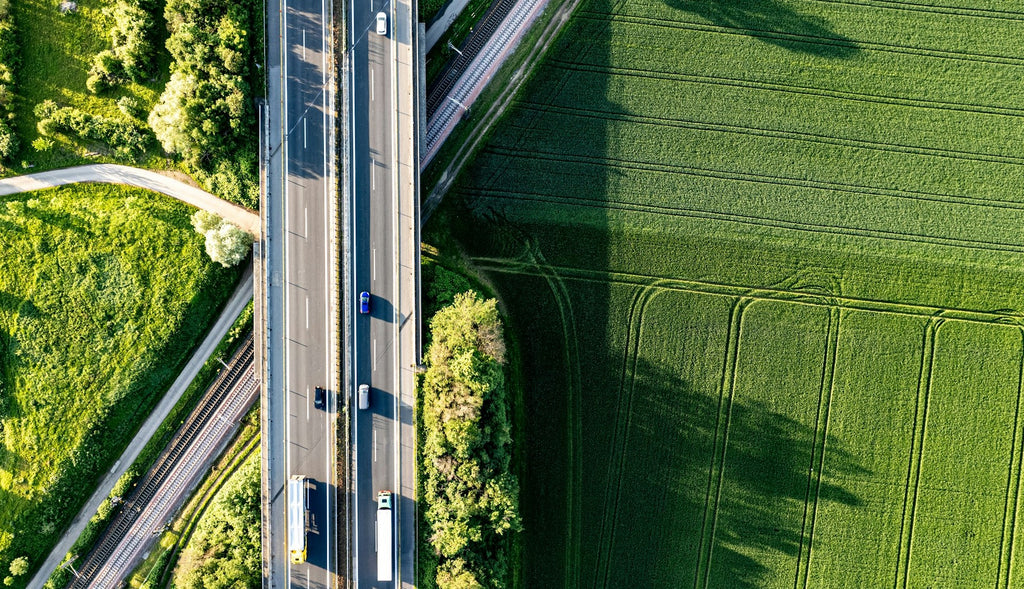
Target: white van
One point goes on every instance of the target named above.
(364, 396)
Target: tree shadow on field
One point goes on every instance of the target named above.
(674, 511)
(773, 22)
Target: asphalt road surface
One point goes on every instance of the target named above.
(374, 218)
(301, 307)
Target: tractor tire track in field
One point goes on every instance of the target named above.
(935, 9)
(716, 470)
(916, 457)
(751, 131)
(1013, 480)
(620, 434)
(807, 39)
(751, 220)
(789, 181)
(817, 465)
(747, 84)
(574, 405)
(758, 293)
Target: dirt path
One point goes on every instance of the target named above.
(155, 181)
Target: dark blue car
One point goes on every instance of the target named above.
(364, 302)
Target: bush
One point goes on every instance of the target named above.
(225, 244)
(9, 60)
(127, 138)
(105, 73)
(132, 39)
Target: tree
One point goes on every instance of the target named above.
(225, 244)
(19, 566)
(168, 117)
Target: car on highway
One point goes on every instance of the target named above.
(364, 396)
(364, 302)
(382, 23)
(318, 397)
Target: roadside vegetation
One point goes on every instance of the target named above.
(104, 291)
(470, 495)
(764, 262)
(98, 523)
(140, 82)
(224, 549)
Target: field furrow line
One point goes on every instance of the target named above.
(715, 80)
(629, 359)
(817, 470)
(620, 441)
(809, 39)
(924, 383)
(751, 131)
(757, 293)
(750, 220)
(1008, 538)
(751, 177)
(574, 407)
(987, 13)
(716, 470)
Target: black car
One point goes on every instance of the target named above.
(318, 397)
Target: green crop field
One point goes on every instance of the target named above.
(764, 261)
(104, 291)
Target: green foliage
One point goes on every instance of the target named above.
(763, 263)
(118, 294)
(9, 62)
(132, 38)
(105, 73)
(57, 52)
(19, 566)
(224, 551)
(128, 139)
(206, 111)
(470, 497)
(225, 244)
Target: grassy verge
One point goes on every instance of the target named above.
(104, 292)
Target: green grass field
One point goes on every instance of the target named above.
(104, 290)
(56, 53)
(764, 262)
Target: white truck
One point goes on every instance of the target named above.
(385, 546)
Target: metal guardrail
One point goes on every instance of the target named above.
(164, 467)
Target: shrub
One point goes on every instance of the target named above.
(105, 73)
(8, 62)
(126, 138)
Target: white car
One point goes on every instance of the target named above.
(382, 23)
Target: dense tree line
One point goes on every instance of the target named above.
(133, 49)
(471, 497)
(206, 112)
(8, 63)
(224, 552)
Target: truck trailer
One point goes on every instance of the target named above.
(385, 546)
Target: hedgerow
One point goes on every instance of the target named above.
(471, 498)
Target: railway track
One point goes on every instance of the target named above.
(183, 451)
(482, 33)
